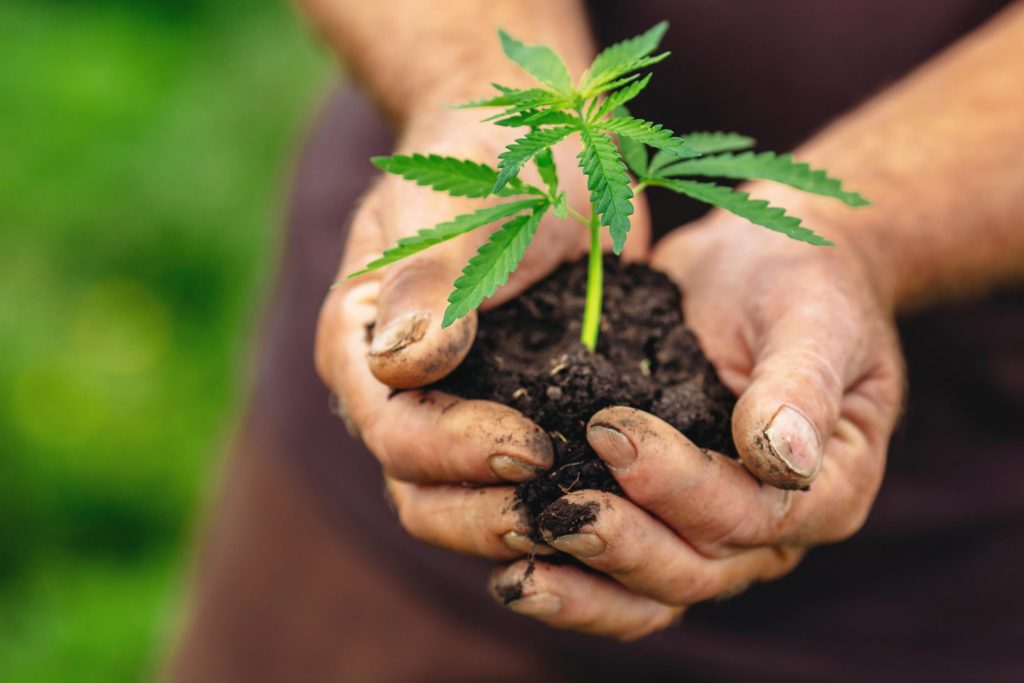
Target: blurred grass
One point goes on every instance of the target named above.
(144, 148)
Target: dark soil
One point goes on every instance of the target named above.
(527, 355)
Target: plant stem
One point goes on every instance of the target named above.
(595, 288)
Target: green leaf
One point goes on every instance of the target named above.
(493, 263)
(457, 177)
(620, 97)
(635, 155)
(615, 58)
(608, 183)
(545, 162)
(717, 141)
(533, 119)
(523, 149)
(754, 210)
(547, 99)
(507, 97)
(442, 232)
(650, 134)
(766, 166)
(539, 61)
(561, 205)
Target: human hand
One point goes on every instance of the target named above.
(429, 443)
(805, 337)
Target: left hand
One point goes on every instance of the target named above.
(804, 335)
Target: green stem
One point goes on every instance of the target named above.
(595, 288)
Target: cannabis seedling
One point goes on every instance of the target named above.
(594, 108)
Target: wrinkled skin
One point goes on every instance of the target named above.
(799, 333)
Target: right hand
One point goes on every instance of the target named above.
(429, 443)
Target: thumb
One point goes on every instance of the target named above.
(789, 410)
(408, 347)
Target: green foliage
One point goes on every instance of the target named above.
(754, 210)
(539, 61)
(442, 232)
(523, 149)
(457, 177)
(765, 166)
(492, 265)
(651, 134)
(594, 109)
(610, 194)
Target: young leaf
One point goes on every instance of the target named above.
(650, 134)
(457, 177)
(621, 97)
(545, 162)
(717, 141)
(635, 155)
(491, 266)
(560, 208)
(442, 232)
(613, 58)
(507, 97)
(766, 166)
(531, 105)
(523, 149)
(754, 210)
(608, 183)
(533, 119)
(539, 61)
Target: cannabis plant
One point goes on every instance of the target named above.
(594, 109)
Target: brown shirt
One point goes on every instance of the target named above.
(930, 589)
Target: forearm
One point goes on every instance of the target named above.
(416, 56)
(941, 157)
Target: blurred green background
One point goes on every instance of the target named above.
(144, 154)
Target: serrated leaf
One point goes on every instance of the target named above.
(618, 76)
(547, 99)
(545, 162)
(507, 97)
(547, 117)
(442, 232)
(619, 98)
(523, 149)
(712, 142)
(754, 210)
(608, 182)
(614, 57)
(635, 156)
(766, 166)
(651, 134)
(492, 265)
(457, 177)
(540, 61)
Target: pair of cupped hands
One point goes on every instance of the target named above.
(802, 335)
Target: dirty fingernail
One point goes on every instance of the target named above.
(794, 441)
(399, 333)
(512, 469)
(612, 445)
(538, 605)
(521, 543)
(583, 546)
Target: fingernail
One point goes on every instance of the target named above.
(521, 543)
(794, 441)
(612, 445)
(399, 333)
(512, 469)
(583, 546)
(538, 605)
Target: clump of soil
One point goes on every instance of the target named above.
(527, 355)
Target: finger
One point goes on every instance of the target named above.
(789, 410)
(707, 498)
(644, 555)
(566, 597)
(421, 436)
(482, 521)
